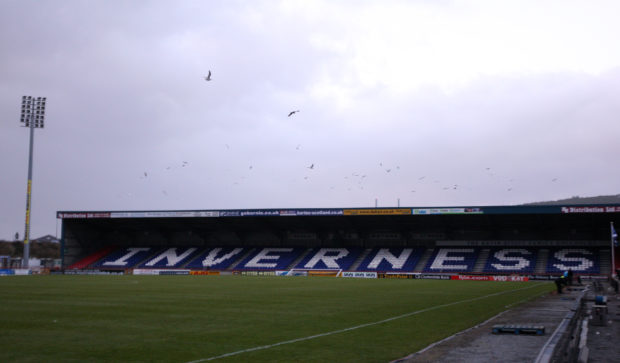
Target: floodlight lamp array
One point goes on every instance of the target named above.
(33, 110)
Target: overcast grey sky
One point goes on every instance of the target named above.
(438, 103)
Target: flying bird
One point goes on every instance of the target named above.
(292, 113)
(311, 166)
(208, 77)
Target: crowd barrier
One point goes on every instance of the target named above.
(14, 272)
(489, 278)
(139, 271)
(208, 273)
(255, 273)
(363, 275)
(294, 272)
(323, 273)
(91, 272)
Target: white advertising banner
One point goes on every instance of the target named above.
(363, 275)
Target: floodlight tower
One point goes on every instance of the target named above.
(32, 116)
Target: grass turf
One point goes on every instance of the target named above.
(188, 318)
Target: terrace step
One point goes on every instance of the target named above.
(424, 260)
(298, 259)
(359, 260)
(156, 251)
(541, 261)
(197, 255)
(481, 262)
(605, 261)
(240, 259)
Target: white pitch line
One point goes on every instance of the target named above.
(359, 326)
(461, 332)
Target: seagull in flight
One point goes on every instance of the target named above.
(292, 113)
(311, 166)
(208, 77)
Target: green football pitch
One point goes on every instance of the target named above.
(239, 318)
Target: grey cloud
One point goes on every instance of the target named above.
(126, 96)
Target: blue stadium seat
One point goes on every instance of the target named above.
(453, 259)
(127, 257)
(391, 260)
(215, 258)
(270, 258)
(329, 258)
(171, 258)
(511, 260)
(578, 259)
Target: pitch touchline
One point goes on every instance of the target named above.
(460, 333)
(358, 326)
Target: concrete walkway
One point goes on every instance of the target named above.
(604, 340)
(479, 344)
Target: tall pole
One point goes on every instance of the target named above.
(32, 116)
(28, 199)
(614, 239)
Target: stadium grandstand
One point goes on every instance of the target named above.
(534, 241)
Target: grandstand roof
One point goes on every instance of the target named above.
(458, 210)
